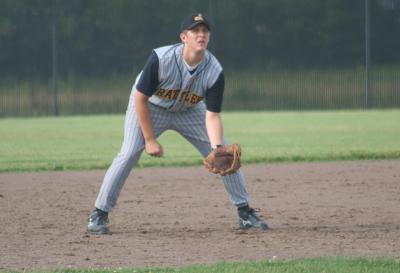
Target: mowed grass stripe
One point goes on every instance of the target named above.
(91, 142)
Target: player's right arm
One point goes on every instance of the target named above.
(146, 87)
(152, 147)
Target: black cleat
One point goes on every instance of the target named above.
(249, 219)
(98, 221)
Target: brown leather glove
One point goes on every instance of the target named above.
(224, 160)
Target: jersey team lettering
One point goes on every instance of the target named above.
(172, 94)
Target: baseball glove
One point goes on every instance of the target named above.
(224, 160)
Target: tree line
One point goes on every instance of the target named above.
(99, 37)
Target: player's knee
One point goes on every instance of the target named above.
(129, 157)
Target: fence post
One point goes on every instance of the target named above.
(211, 16)
(368, 82)
(54, 58)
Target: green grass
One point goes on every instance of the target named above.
(91, 142)
(320, 265)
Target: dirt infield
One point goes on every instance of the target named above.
(180, 216)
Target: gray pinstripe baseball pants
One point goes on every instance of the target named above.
(190, 124)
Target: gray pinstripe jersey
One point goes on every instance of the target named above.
(179, 90)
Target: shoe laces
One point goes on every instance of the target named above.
(253, 212)
(245, 213)
(101, 216)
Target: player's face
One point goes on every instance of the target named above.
(196, 38)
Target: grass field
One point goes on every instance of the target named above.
(321, 265)
(91, 142)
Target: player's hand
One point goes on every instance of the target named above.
(153, 148)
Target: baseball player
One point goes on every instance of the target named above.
(180, 88)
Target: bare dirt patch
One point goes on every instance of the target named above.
(180, 216)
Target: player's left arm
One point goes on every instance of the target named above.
(214, 124)
(215, 129)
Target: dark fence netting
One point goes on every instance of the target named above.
(67, 57)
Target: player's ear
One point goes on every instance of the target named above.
(183, 36)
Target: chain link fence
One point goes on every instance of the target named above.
(62, 57)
